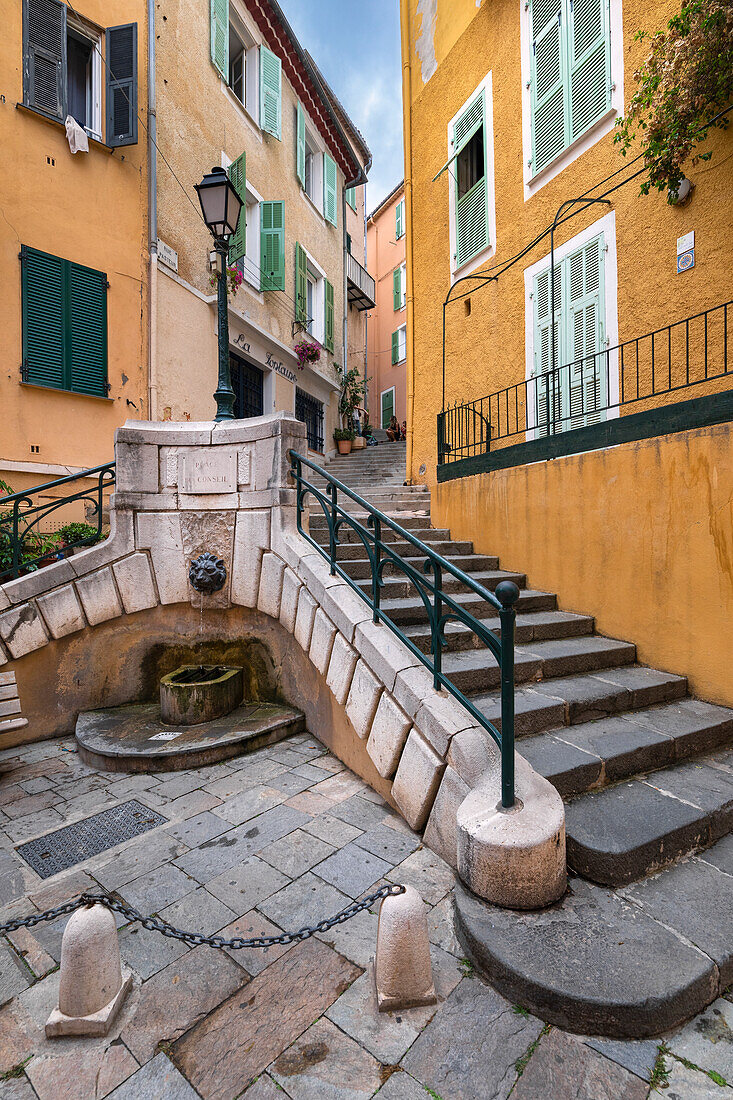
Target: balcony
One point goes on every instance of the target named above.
(360, 284)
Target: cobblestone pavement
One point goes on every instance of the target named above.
(265, 842)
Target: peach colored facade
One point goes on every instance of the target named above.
(385, 256)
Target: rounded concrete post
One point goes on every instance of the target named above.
(403, 973)
(91, 987)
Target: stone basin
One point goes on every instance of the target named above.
(193, 694)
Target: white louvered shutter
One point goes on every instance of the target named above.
(472, 221)
(588, 382)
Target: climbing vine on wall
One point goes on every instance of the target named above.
(685, 80)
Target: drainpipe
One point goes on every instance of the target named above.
(345, 285)
(407, 127)
(152, 223)
(366, 312)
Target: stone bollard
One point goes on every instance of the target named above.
(92, 986)
(403, 973)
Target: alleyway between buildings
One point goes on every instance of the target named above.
(276, 840)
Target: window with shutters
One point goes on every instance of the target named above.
(387, 406)
(272, 245)
(576, 388)
(351, 197)
(62, 71)
(313, 299)
(470, 171)
(64, 308)
(573, 80)
(399, 217)
(399, 345)
(244, 245)
(399, 280)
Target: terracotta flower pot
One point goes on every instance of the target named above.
(344, 446)
(358, 443)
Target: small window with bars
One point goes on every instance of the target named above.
(309, 410)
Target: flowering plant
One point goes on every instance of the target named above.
(686, 77)
(234, 279)
(307, 353)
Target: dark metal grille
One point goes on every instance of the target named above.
(310, 411)
(687, 353)
(55, 852)
(248, 386)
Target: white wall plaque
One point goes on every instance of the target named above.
(167, 255)
(684, 244)
(208, 470)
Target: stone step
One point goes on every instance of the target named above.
(411, 610)
(594, 754)
(419, 524)
(570, 700)
(396, 588)
(361, 568)
(625, 832)
(476, 670)
(533, 626)
(628, 964)
(354, 551)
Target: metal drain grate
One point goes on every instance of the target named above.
(58, 851)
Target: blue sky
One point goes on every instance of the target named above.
(356, 46)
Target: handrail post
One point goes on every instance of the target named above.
(16, 542)
(333, 493)
(507, 593)
(436, 640)
(377, 525)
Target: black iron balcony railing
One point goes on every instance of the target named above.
(583, 392)
(24, 546)
(441, 606)
(360, 288)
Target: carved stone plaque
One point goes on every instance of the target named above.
(208, 470)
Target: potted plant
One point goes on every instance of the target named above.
(307, 352)
(344, 437)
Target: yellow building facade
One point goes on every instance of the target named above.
(73, 236)
(598, 461)
(236, 90)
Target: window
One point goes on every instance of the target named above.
(255, 81)
(577, 393)
(237, 66)
(309, 410)
(399, 215)
(399, 287)
(237, 172)
(316, 170)
(248, 386)
(568, 70)
(314, 303)
(399, 345)
(64, 308)
(471, 190)
(62, 71)
(311, 307)
(351, 197)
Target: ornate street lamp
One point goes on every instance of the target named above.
(220, 206)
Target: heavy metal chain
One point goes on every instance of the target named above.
(197, 938)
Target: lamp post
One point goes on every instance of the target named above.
(220, 207)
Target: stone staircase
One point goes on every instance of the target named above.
(645, 770)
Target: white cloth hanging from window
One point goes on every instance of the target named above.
(76, 136)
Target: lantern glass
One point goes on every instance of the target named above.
(220, 203)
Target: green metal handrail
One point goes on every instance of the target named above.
(441, 607)
(19, 519)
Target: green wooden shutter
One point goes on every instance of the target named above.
(587, 374)
(301, 286)
(399, 219)
(238, 240)
(300, 146)
(351, 197)
(329, 316)
(220, 36)
(548, 66)
(547, 387)
(87, 324)
(590, 64)
(43, 280)
(395, 347)
(270, 92)
(472, 216)
(44, 56)
(121, 90)
(330, 208)
(272, 245)
(64, 324)
(397, 287)
(387, 407)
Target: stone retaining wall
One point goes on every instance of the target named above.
(186, 488)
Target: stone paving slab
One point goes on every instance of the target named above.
(241, 888)
(296, 853)
(325, 1063)
(249, 926)
(684, 1083)
(306, 901)
(352, 870)
(158, 1080)
(226, 1051)
(707, 1041)
(562, 1066)
(147, 952)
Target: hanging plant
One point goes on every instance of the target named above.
(307, 352)
(234, 279)
(684, 81)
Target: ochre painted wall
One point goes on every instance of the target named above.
(639, 535)
(385, 253)
(90, 208)
(486, 350)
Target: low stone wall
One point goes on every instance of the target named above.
(75, 632)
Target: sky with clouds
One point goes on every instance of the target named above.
(356, 46)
